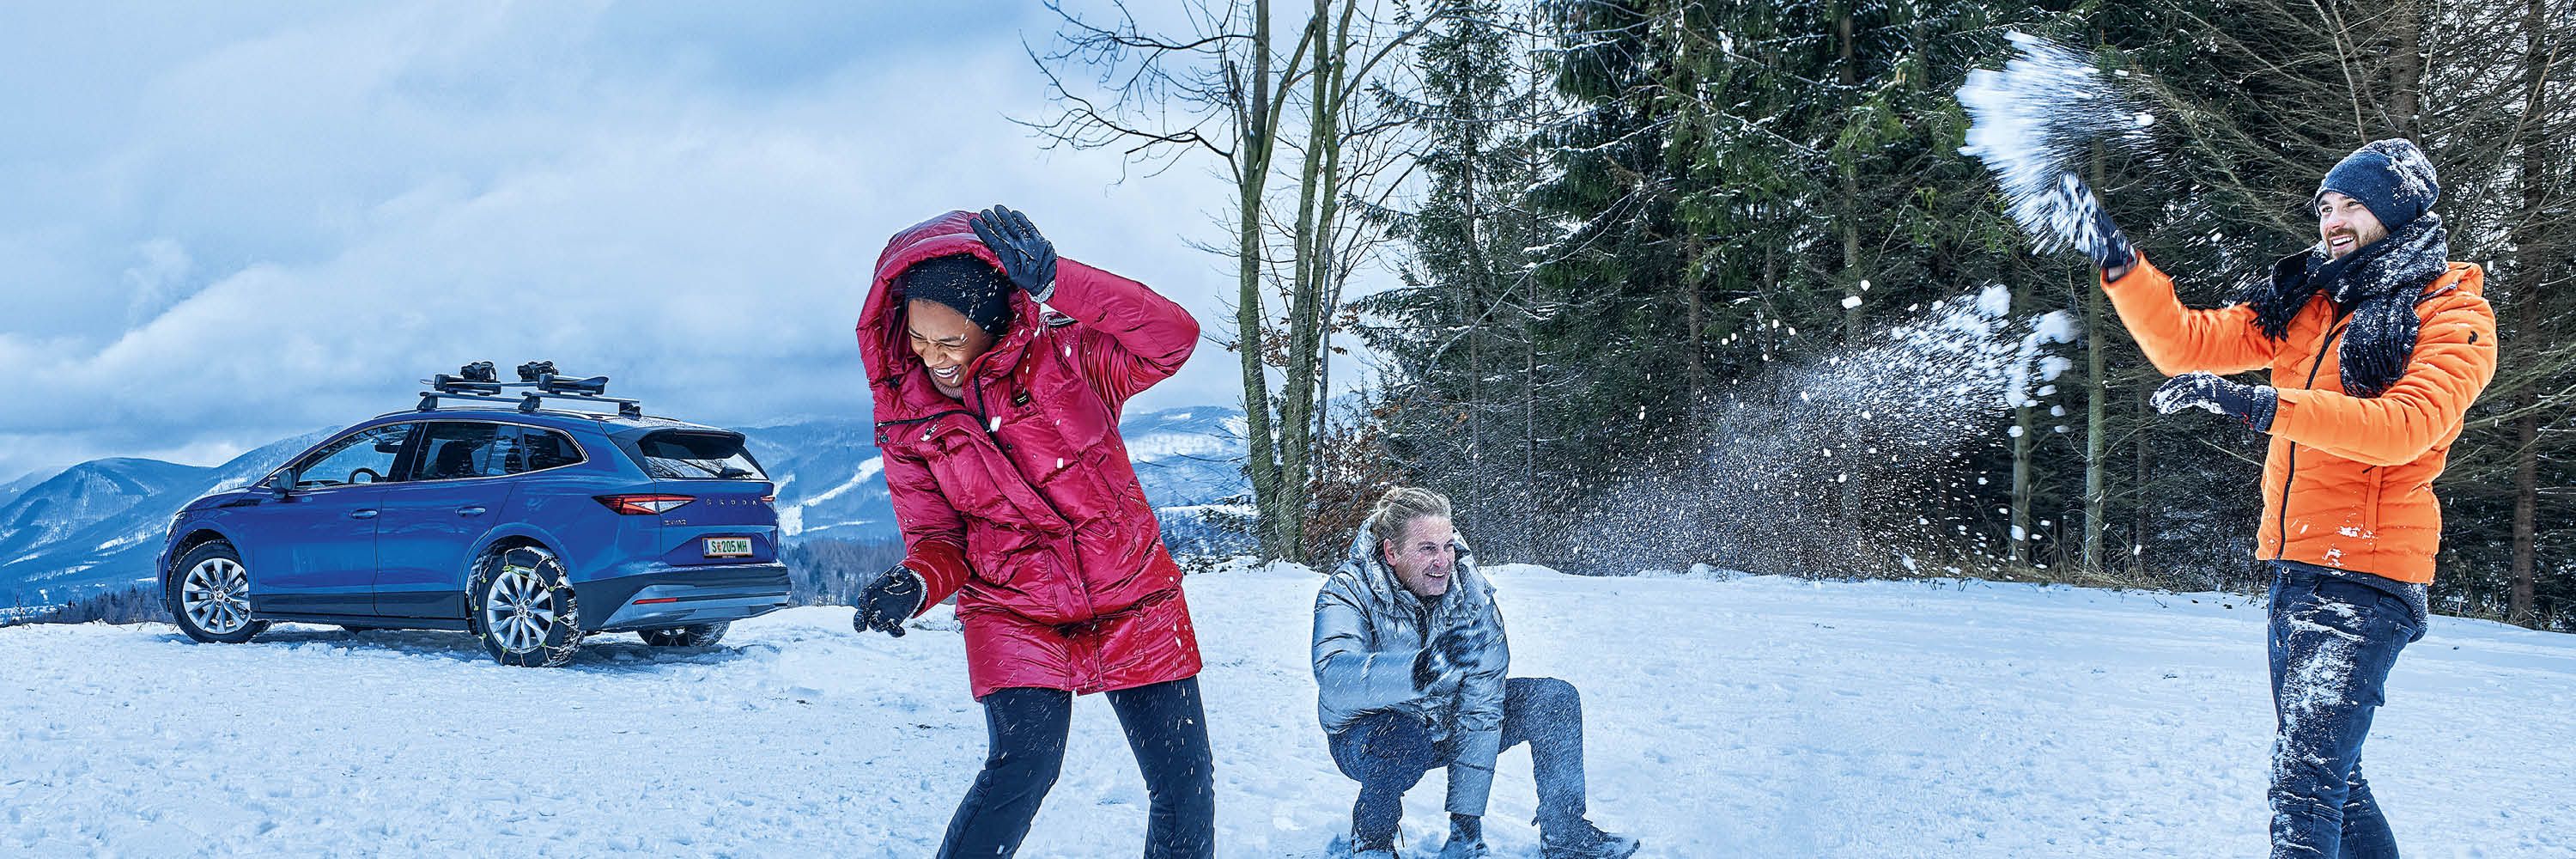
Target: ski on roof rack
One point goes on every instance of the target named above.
(539, 381)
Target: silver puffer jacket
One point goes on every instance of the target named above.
(1368, 629)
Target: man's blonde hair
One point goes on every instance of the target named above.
(1399, 507)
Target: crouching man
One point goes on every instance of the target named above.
(1409, 661)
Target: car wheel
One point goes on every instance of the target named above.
(523, 608)
(209, 595)
(697, 635)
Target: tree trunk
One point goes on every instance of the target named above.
(2096, 426)
(1308, 249)
(2096, 406)
(1257, 133)
(1315, 242)
(1851, 195)
(2142, 509)
(2406, 68)
(1532, 538)
(1479, 275)
(2532, 264)
(2526, 507)
(2023, 440)
(2021, 480)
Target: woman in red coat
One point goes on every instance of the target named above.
(998, 423)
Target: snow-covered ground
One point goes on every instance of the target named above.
(1754, 717)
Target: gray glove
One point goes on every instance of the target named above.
(1440, 662)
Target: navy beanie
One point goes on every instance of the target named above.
(2390, 177)
(965, 284)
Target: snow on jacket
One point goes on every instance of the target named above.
(2348, 482)
(1019, 499)
(1368, 629)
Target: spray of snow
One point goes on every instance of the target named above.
(2033, 121)
(1832, 464)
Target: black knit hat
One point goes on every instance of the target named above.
(2390, 177)
(965, 284)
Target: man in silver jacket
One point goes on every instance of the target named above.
(1409, 664)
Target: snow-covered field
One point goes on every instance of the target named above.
(1754, 717)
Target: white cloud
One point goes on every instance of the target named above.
(297, 225)
(156, 279)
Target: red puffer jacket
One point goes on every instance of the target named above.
(1020, 499)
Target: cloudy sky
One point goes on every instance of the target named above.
(224, 223)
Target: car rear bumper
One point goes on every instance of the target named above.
(680, 596)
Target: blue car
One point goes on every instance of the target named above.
(530, 527)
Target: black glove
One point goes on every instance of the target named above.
(2253, 404)
(2098, 237)
(1028, 258)
(889, 601)
(1440, 662)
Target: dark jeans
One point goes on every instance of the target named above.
(1389, 752)
(1166, 727)
(2332, 643)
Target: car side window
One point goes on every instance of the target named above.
(452, 450)
(539, 449)
(510, 450)
(362, 457)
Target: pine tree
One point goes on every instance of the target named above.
(1457, 333)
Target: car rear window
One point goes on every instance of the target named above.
(694, 455)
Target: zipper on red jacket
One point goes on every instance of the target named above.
(985, 422)
(2291, 472)
(881, 425)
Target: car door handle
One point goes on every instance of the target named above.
(362, 514)
(469, 511)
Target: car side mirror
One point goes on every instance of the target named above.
(281, 484)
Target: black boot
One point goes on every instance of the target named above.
(1582, 840)
(1348, 847)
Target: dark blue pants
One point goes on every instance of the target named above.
(1388, 753)
(2332, 643)
(1167, 729)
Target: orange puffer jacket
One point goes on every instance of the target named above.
(2348, 482)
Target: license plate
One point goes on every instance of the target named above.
(728, 547)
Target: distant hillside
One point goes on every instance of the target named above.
(99, 524)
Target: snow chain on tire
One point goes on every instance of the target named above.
(523, 608)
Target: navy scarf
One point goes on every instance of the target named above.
(2376, 285)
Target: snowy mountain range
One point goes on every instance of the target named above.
(98, 525)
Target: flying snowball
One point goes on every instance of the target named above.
(2035, 121)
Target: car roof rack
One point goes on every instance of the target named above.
(538, 382)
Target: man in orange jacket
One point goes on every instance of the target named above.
(2376, 344)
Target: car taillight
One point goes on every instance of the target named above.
(643, 505)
